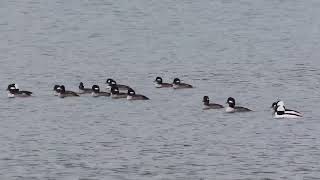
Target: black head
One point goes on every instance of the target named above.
(61, 89)
(131, 92)
(274, 105)
(158, 80)
(11, 87)
(231, 101)
(95, 88)
(114, 89)
(55, 87)
(205, 99)
(81, 86)
(110, 81)
(113, 82)
(176, 81)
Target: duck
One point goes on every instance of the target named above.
(121, 87)
(97, 93)
(133, 96)
(83, 90)
(207, 105)
(233, 108)
(281, 112)
(275, 105)
(116, 94)
(160, 84)
(13, 91)
(63, 93)
(177, 84)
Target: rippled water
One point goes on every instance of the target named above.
(254, 50)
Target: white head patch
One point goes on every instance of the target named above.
(280, 103)
(16, 86)
(280, 108)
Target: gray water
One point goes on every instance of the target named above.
(254, 50)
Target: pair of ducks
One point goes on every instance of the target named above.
(115, 91)
(231, 105)
(278, 107)
(176, 84)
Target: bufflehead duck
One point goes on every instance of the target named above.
(160, 84)
(83, 90)
(177, 84)
(281, 103)
(282, 112)
(115, 94)
(63, 93)
(112, 82)
(13, 91)
(208, 105)
(55, 89)
(233, 108)
(133, 96)
(96, 91)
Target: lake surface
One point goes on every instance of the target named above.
(256, 51)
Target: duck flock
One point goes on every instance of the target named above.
(117, 91)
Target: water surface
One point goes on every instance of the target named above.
(256, 51)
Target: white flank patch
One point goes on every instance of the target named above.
(157, 85)
(229, 110)
(280, 103)
(281, 108)
(287, 116)
(294, 112)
